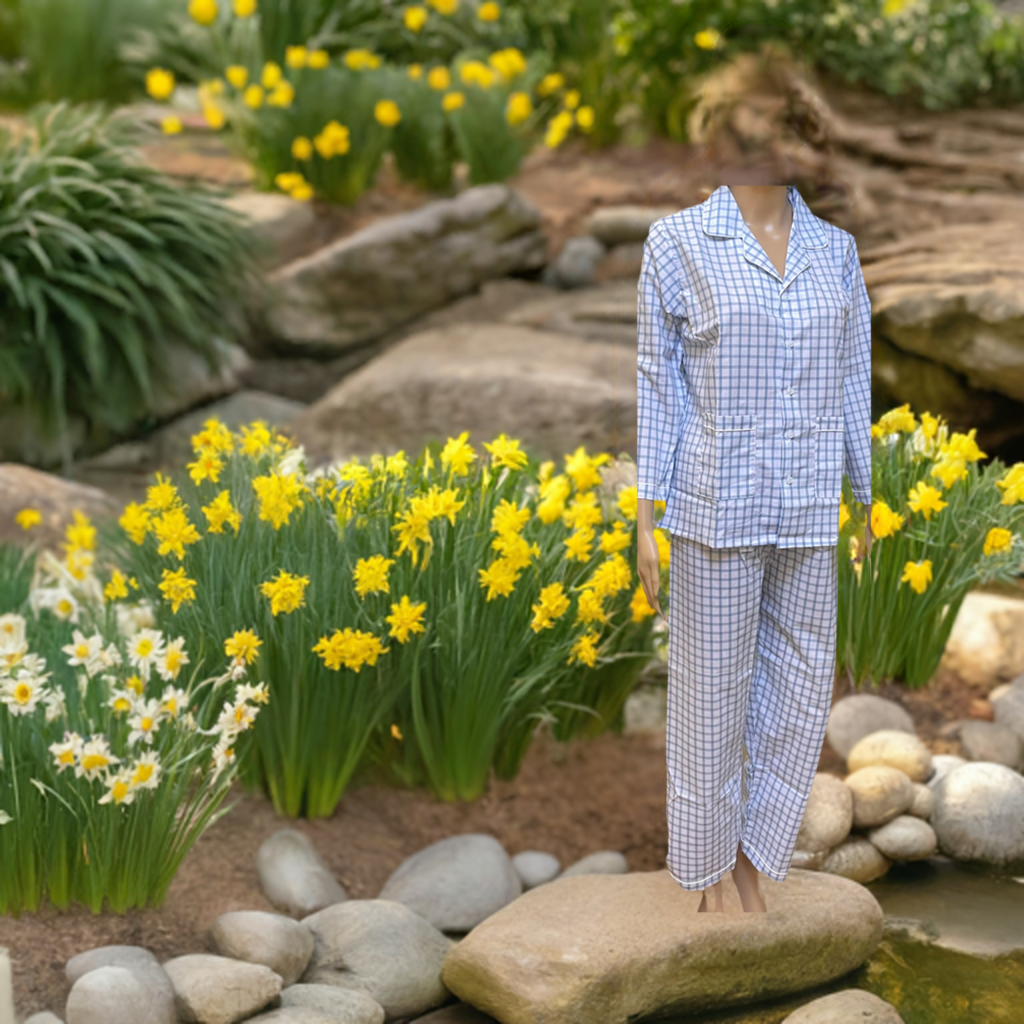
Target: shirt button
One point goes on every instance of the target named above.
(789, 480)
(790, 434)
(790, 391)
(790, 343)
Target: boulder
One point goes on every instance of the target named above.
(854, 717)
(895, 748)
(277, 942)
(552, 392)
(456, 882)
(293, 876)
(342, 1005)
(218, 990)
(846, 1007)
(986, 643)
(1009, 708)
(828, 816)
(880, 793)
(905, 838)
(979, 813)
(609, 948)
(616, 225)
(535, 867)
(575, 265)
(284, 228)
(857, 859)
(603, 862)
(990, 741)
(55, 498)
(358, 288)
(116, 995)
(383, 949)
(955, 295)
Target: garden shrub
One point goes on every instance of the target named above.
(107, 269)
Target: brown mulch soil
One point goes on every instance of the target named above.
(604, 793)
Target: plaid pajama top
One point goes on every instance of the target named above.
(753, 391)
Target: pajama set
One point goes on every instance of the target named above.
(753, 399)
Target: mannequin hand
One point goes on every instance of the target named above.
(647, 568)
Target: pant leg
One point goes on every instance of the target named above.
(791, 698)
(713, 617)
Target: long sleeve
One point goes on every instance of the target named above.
(856, 369)
(660, 389)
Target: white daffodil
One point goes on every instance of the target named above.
(23, 692)
(87, 653)
(12, 632)
(258, 694)
(169, 664)
(145, 773)
(64, 753)
(173, 701)
(56, 707)
(111, 656)
(95, 758)
(235, 718)
(122, 700)
(223, 754)
(119, 788)
(144, 721)
(145, 649)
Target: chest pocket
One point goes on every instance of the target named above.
(832, 307)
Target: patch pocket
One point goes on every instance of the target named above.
(732, 449)
(829, 435)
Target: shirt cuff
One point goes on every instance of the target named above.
(651, 492)
(864, 497)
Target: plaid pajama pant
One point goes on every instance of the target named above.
(752, 645)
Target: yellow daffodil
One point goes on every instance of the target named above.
(244, 8)
(352, 648)
(296, 56)
(371, 575)
(918, 575)
(884, 522)
(387, 113)
(439, 78)
(578, 544)
(214, 116)
(243, 645)
(271, 75)
(136, 522)
(117, 587)
(447, 7)
(585, 118)
(406, 618)
(997, 540)
(499, 577)
(925, 499)
(1012, 484)
(203, 11)
(177, 588)
(708, 38)
(553, 603)
(584, 650)
(509, 62)
(505, 451)
(572, 99)
(415, 18)
(488, 11)
(171, 125)
(253, 96)
(159, 83)
(318, 59)
(476, 72)
(286, 592)
(282, 95)
(220, 513)
(302, 148)
(28, 518)
(639, 606)
(518, 108)
(452, 101)
(362, 60)
(550, 83)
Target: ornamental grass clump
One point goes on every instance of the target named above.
(115, 755)
(415, 618)
(109, 273)
(940, 526)
(316, 113)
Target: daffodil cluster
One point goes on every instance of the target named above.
(940, 523)
(264, 101)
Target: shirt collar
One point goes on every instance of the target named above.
(720, 215)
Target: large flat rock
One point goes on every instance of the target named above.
(551, 391)
(358, 288)
(606, 949)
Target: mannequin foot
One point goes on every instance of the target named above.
(745, 876)
(713, 905)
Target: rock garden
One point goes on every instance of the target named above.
(328, 690)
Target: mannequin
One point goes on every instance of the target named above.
(768, 214)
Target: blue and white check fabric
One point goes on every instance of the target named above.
(753, 390)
